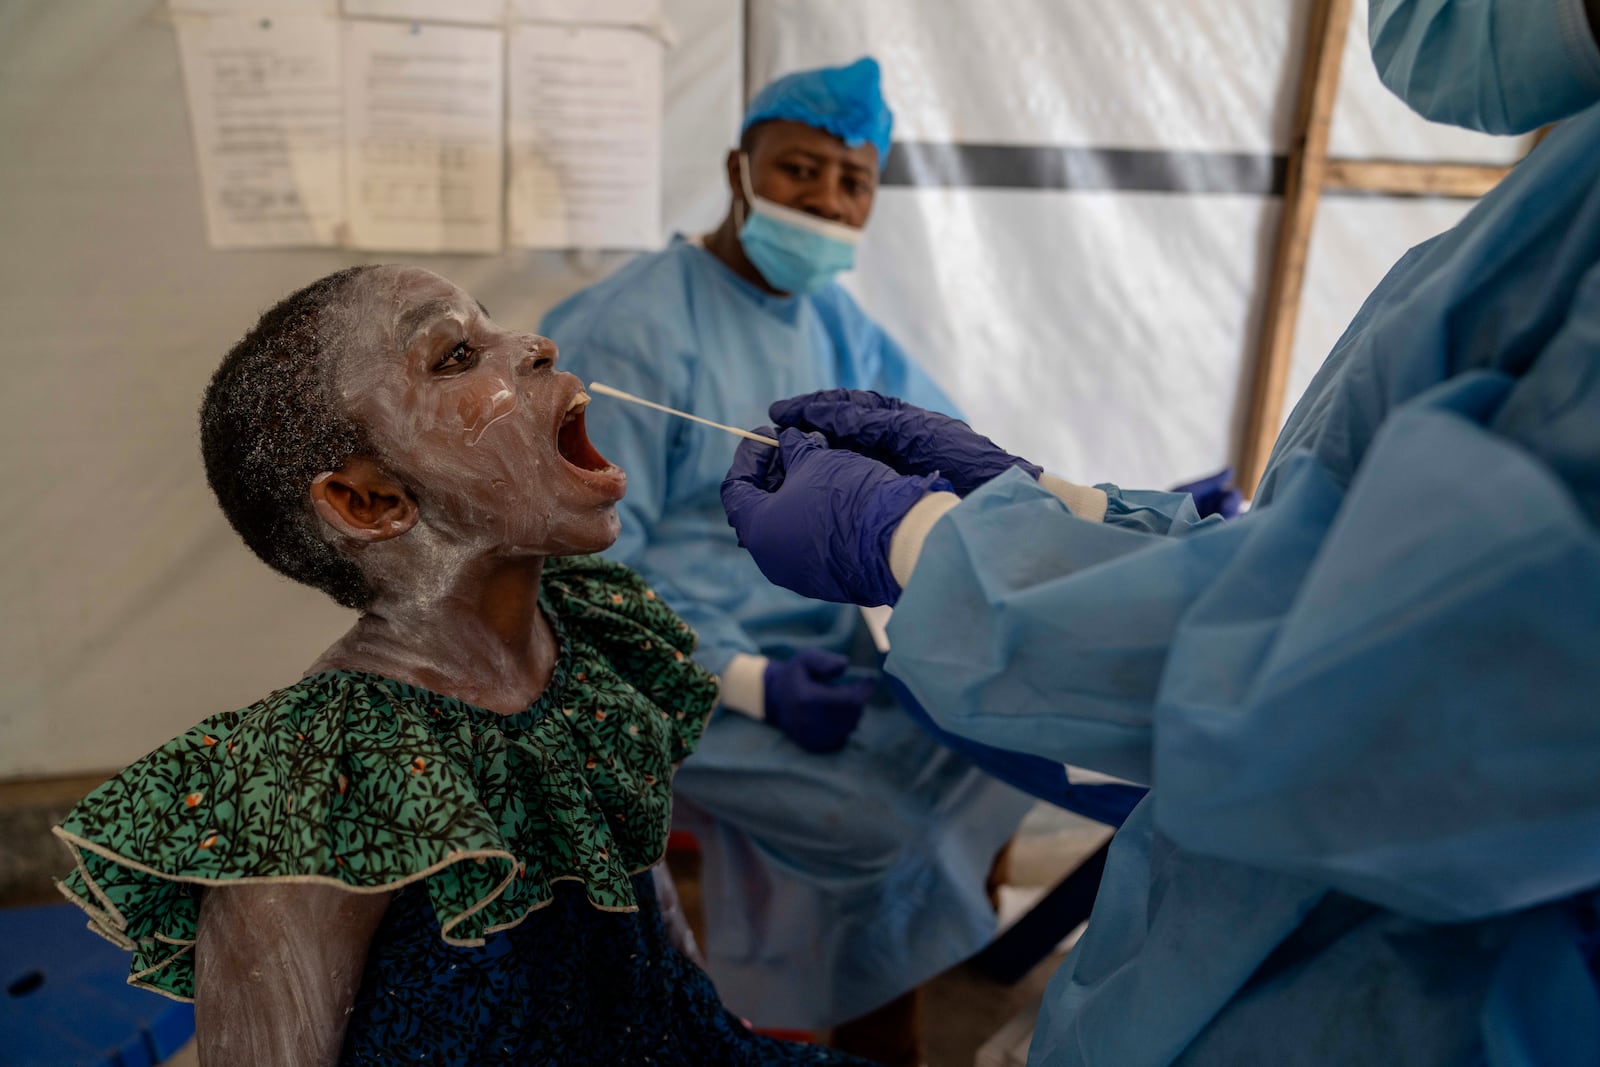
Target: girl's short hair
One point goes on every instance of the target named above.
(271, 421)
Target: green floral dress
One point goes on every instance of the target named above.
(372, 784)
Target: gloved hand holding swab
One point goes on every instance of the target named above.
(606, 390)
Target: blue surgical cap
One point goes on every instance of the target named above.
(844, 101)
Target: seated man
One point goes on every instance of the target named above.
(845, 852)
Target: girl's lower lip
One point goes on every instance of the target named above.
(611, 482)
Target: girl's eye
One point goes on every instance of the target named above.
(457, 358)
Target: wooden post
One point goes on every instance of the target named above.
(1308, 160)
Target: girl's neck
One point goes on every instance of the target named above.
(482, 638)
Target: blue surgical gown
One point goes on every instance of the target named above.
(1369, 709)
(833, 883)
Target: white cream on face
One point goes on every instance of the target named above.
(490, 410)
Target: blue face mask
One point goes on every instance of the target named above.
(1500, 66)
(795, 252)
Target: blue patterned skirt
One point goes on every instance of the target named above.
(569, 985)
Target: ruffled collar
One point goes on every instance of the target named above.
(369, 783)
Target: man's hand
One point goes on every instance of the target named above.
(808, 698)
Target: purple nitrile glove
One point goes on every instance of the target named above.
(818, 520)
(910, 439)
(1214, 495)
(808, 701)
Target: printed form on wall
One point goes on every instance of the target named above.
(424, 148)
(585, 126)
(264, 105)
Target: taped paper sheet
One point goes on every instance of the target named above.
(265, 109)
(423, 147)
(585, 137)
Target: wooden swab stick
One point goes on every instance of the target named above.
(606, 390)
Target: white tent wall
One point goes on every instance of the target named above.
(1106, 332)
(130, 609)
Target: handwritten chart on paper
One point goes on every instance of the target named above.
(585, 137)
(424, 149)
(264, 102)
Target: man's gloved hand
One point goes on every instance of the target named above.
(910, 439)
(806, 699)
(818, 521)
(1214, 495)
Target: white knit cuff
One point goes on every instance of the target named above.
(1084, 501)
(1084, 776)
(744, 685)
(905, 545)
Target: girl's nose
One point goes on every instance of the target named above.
(541, 355)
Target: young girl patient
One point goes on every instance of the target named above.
(435, 847)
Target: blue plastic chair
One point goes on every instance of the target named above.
(67, 1002)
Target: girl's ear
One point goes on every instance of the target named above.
(363, 502)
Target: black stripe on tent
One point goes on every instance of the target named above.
(925, 164)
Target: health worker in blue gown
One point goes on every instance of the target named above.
(1369, 709)
(845, 852)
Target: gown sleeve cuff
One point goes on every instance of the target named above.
(906, 544)
(1084, 501)
(744, 685)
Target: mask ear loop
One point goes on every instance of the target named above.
(740, 207)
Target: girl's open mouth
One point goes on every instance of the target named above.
(572, 441)
(575, 449)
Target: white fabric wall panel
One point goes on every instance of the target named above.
(129, 609)
(1169, 74)
(1166, 74)
(1099, 334)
